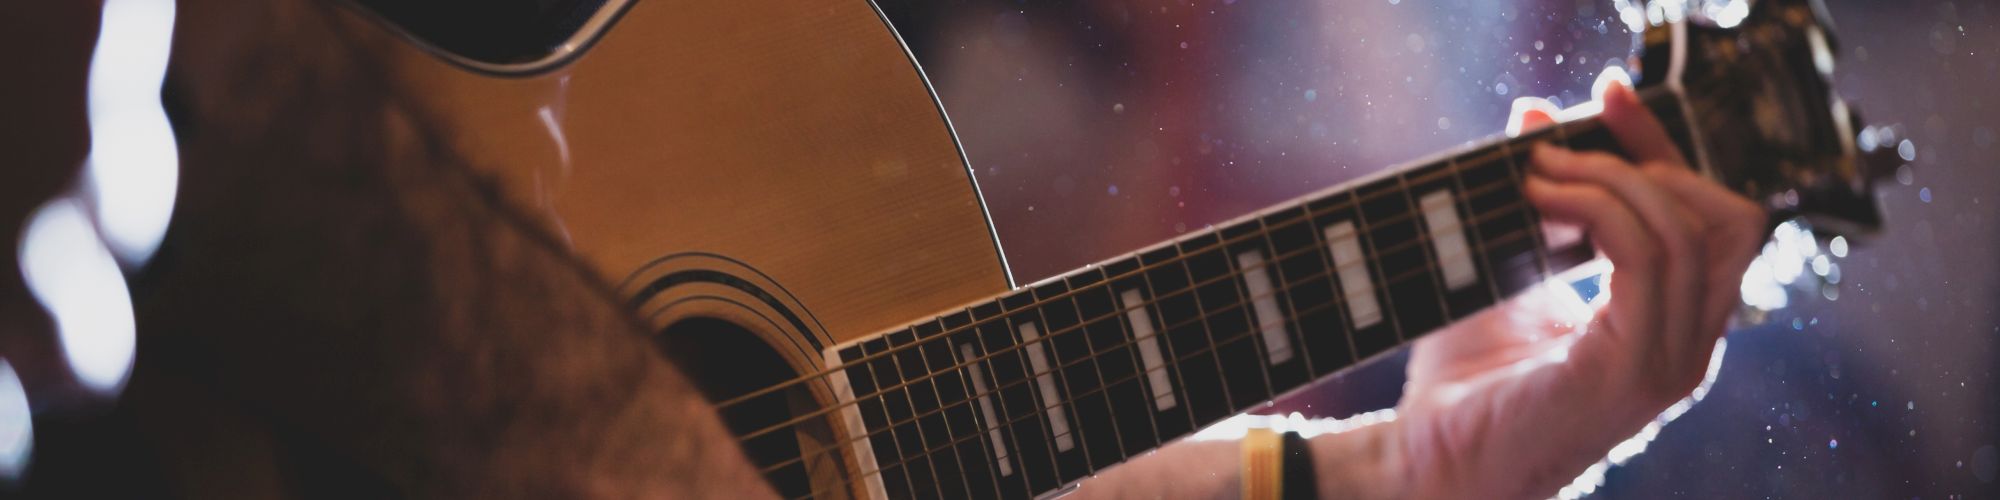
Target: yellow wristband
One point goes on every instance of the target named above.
(1263, 465)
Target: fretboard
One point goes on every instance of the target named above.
(1049, 384)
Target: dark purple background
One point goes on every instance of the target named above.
(1098, 128)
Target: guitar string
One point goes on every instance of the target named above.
(1454, 167)
(1040, 411)
(1114, 349)
(1371, 260)
(1510, 209)
(1560, 130)
(1453, 164)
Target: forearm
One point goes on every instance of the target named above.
(1361, 463)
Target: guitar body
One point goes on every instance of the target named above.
(763, 179)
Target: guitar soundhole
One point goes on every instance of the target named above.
(727, 361)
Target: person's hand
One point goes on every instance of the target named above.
(1518, 400)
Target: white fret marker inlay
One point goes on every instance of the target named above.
(1038, 358)
(1264, 302)
(850, 416)
(1448, 240)
(986, 409)
(1149, 348)
(1354, 284)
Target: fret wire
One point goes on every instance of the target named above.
(1178, 358)
(942, 415)
(1152, 314)
(1534, 224)
(887, 428)
(1074, 421)
(965, 386)
(1013, 436)
(1374, 261)
(1509, 209)
(1333, 270)
(914, 422)
(1013, 433)
(1291, 306)
(1097, 368)
(1130, 347)
(1478, 237)
(1193, 289)
(1245, 309)
(1028, 374)
(1429, 251)
(1353, 203)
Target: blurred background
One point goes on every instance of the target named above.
(1095, 128)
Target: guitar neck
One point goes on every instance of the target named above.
(1056, 381)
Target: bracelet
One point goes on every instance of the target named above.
(1263, 473)
(1301, 482)
(1277, 467)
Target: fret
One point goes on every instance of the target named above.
(967, 349)
(1400, 258)
(1267, 304)
(1072, 461)
(1349, 249)
(1096, 427)
(894, 472)
(1114, 342)
(1310, 284)
(1229, 323)
(1188, 339)
(955, 410)
(1174, 312)
(1507, 227)
(1019, 410)
(896, 398)
(1137, 315)
(1451, 243)
(1478, 239)
(1556, 254)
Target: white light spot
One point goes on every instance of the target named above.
(1907, 150)
(132, 172)
(17, 425)
(1838, 246)
(76, 279)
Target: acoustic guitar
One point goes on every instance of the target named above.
(773, 184)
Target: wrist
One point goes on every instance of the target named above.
(1363, 463)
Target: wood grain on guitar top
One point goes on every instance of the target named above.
(797, 138)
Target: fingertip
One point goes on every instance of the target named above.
(1612, 77)
(1530, 113)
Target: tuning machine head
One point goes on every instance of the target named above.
(1755, 87)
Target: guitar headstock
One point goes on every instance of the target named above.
(1756, 86)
